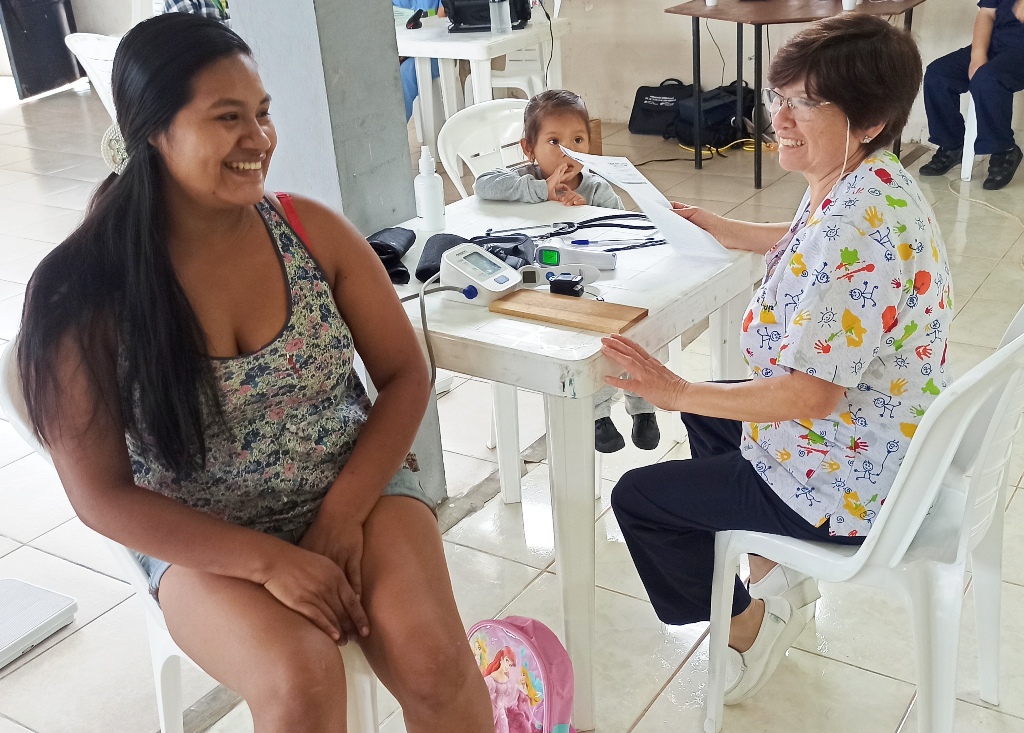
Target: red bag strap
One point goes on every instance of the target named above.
(292, 215)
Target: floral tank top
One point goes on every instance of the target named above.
(293, 411)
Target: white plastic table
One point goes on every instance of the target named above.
(567, 367)
(433, 41)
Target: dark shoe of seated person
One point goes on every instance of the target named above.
(1001, 168)
(607, 438)
(646, 435)
(944, 160)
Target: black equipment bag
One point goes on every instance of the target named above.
(655, 109)
(719, 126)
(467, 16)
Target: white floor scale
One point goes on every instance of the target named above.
(28, 615)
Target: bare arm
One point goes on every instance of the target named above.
(793, 396)
(388, 347)
(733, 233)
(983, 25)
(91, 457)
(391, 353)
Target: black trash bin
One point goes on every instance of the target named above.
(34, 31)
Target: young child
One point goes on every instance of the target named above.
(553, 119)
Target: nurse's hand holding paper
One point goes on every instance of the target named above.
(732, 233)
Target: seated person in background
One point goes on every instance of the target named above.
(207, 413)
(992, 69)
(410, 87)
(554, 118)
(216, 9)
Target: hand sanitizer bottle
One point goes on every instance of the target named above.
(429, 190)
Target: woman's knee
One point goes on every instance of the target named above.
(432, 675)
(301, 687)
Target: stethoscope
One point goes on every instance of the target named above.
(565, 228)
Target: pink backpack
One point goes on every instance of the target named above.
(528, 675)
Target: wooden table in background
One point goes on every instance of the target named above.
(758, 15)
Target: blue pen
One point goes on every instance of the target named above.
(585, 242)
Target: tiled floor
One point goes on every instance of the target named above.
(848, 672)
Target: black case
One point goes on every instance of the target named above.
(655, 109)
(469, 16)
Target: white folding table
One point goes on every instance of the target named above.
(567, 367)
(433, 41)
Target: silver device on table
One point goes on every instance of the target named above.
(482, 277)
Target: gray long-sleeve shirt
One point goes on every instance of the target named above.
(526, 184)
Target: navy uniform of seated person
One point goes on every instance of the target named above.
(992, 69)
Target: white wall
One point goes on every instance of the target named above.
(617, 45)
(106, 17)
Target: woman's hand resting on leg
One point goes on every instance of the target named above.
(648, 377)
(316, 587)
(341, 541)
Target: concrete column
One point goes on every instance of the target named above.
(331, 67)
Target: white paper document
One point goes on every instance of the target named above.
(620, 172)
(685, 237)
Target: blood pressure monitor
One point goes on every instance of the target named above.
(482, 277)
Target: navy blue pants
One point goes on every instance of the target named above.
(992, 88)
(669, 513)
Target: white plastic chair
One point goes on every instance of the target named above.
(525, 68)
(485, 136)
(970, 137)
(96, 55)
(935, 517)
(360, 681)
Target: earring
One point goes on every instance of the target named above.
(113, 150)
(867, 139)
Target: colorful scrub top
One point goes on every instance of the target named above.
(857, 293)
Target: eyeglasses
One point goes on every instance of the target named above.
(799, 107)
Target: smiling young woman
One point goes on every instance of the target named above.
(188, 360)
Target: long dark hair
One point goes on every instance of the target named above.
(113, 275)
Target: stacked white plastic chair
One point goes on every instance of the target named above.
(360, 680)
(945, 507)
(96, 55)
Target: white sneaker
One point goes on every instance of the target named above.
(800, 590)
(779, 630)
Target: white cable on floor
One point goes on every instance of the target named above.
(949, 185)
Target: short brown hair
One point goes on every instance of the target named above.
(860, 63)
(551, 102)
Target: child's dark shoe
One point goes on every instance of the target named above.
(607, 438)
(646, 435)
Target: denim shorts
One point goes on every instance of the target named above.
(400, 485)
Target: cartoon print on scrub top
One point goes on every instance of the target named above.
(857, 293)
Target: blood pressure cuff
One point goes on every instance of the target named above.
(515, 250)
(391, 245)
(430, 258)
